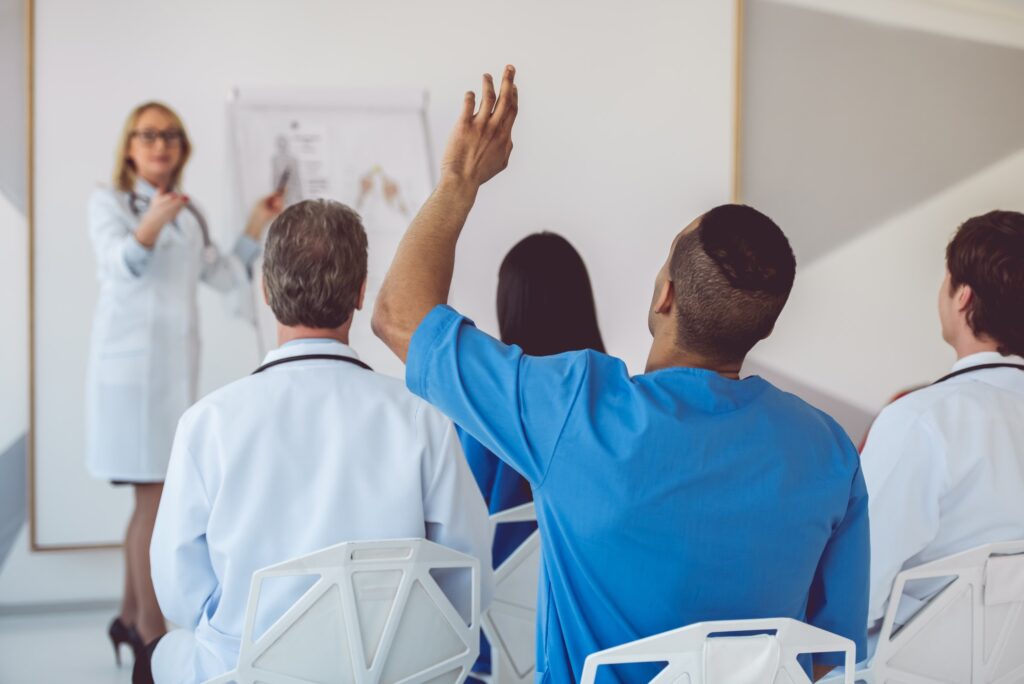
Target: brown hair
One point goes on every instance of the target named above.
(315, 264)
(732, 275)
(987, 254)
(124, 168)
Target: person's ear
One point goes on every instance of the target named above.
(263, 288)
(964, 296)
(362, 296)
(666, 298)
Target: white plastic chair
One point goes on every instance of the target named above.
(510, 623)
(971, 632)
(695, 655)
(377, 614)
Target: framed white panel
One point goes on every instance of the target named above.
(625, 134)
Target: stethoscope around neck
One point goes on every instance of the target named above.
(134, 200)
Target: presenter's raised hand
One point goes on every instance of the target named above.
(163, 208)
(263, 212)
(481, 144)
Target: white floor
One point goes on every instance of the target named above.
(60, 647)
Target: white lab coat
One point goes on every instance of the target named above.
(279, 464)
(143, 360)
(944, 468)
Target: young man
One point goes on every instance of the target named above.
(944, 465)
(680, 495)
(305, 453)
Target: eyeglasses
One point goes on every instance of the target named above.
(171, 138)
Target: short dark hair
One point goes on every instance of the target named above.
(315, 264)
(987, 254)
(732, 275)
(545, 304)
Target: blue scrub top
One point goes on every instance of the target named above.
(665, 499)
(503, 488)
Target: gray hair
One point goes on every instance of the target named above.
(315, 264)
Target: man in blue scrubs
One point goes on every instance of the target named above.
(681, 495)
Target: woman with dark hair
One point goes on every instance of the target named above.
(545, 306)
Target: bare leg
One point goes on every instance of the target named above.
(150, 623)
(129, 605)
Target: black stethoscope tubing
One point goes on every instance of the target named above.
(304, 357)
(984, 366)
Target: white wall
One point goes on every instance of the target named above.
(31, 578)
(624, 136)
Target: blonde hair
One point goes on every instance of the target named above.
(124, 169)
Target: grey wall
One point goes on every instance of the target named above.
(847, 122)
(13, 101)
(13, 489)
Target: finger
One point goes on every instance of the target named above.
(507, 91)
(487, 98)
(468, 107)
(509, 110)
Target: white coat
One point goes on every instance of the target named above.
(944, 468)
(143, 360)
(301, 456)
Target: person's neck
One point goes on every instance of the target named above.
(666, 354)
(288, 333)
(161, 184)
(968, 345)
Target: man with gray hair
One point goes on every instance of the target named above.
(312, 449)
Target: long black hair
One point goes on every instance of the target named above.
(545, 304)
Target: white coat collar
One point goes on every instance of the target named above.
(303, 347)
(144, 188)
(985, 357)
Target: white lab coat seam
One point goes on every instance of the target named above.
(438, 459)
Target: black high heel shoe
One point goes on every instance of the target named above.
(121, 633)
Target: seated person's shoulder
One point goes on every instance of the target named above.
(586, 362)
(812, 422)
(387, 392)
(395, 395)
(800, 409)
(223, 400)
(920, 405)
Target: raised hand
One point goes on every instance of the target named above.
(263, 212)
(481, 144)
(163, 208)
(421, 274)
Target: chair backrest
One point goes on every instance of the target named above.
(728, 652)
(510, 623)
(378, 612)
(971, 632)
